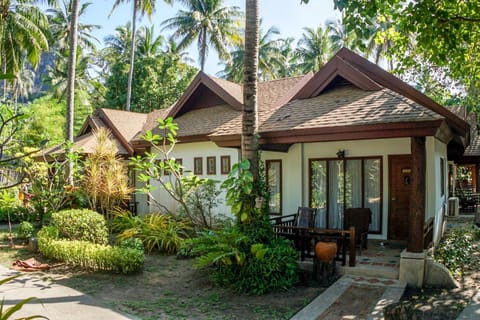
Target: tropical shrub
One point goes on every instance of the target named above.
(196, 197)
(268, 268)
(49, 186)
(132, 243)
(201, 197)
(105, 179)
(123, 220)
(233, 260)
(81, 224)
(92, 256)
(25, 230)
(157, 232)
(456, 249)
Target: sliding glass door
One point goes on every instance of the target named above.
(337, 184)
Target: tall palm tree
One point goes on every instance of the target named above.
(60, 27)
(149, 46)
(315, 49)
(72, 62)
(250, 88)
(118, 44)
(23, 32)
(340, 36)
(271, 58)
(209, 23)
(377, 47)
(143, 7)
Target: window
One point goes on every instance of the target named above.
(225, 164)
(337, 184)
(198, 166)
(274, 183)
(179, 162)
(442, 177)
(211, 165)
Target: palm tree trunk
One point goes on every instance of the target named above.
(250, 121)
(132, 55)
(203, 54)
(72, 62)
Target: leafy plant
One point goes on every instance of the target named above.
(196, 197)
(49, 186)
(234, 261)
(123, 220)
(8, 201)
(91, 256)
(268, 268)
(81, 224)
(456, 249)
(8, 313)
(248, 200)
(25, 230)
(157, 232)
(105, 179)
(201, 198)
(132, 243)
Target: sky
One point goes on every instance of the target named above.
(289, 16)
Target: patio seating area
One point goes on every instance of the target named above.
(300, 228)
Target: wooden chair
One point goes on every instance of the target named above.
(360, 218)
(305, 217)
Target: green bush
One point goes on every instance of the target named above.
(81, 225)
(133, 243)
(17, 214)
(456, 249)
(48, 232)
(275, 268)
(25, 230)
(234, 261)
(157, 232)
(89, 255)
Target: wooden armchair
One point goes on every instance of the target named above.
(360, 218)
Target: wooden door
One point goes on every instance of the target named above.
(399, 191)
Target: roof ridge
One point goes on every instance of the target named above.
(124, 111)
(281, 79)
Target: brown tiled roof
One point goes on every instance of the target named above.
(128, 124)
(459, 111)
(205, 121)
(85, 144)
(473, 150)
(270, 92)
(339, 107)
(209, 120)
(234, 89)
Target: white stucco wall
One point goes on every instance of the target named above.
(436, 203)
(295, 171)
(187, 152)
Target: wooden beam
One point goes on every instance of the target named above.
(417, 200)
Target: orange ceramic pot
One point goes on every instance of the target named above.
(325, 251)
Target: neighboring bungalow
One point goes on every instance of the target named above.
(352, 135)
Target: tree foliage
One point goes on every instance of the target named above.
(157, 83)
(438, 33)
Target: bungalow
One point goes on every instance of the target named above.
(351, 135)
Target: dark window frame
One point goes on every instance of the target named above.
(310, 160)
(214, 171)
(280, 189)
(198, 167)
(225, 163)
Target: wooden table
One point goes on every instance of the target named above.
(303, 238)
